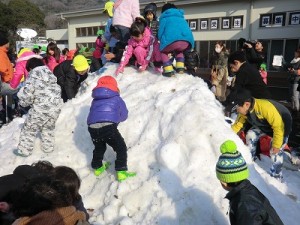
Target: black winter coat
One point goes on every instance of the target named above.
(68, 79)
(255, 58)
(248, 206)
(191, 59)
(249, 78)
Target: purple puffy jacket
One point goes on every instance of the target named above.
(107, 106)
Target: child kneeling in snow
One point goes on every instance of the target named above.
(143, 46)
(247, 204)
(42, 93)
(107, 110)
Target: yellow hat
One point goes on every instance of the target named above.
(22, 51)
(109, 6)
(80, 63)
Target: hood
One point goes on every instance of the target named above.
(104, 93)
(172, 13)
(26, 55)
(43, 74)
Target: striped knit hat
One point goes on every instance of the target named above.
(231, 166)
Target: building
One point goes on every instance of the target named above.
(275, 23)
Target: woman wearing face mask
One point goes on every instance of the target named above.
(219, 72)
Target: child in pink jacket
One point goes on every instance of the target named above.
(143, 45)
(53, 56)
(20, 69)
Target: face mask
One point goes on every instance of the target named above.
(218, 50)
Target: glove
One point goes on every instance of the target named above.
(119, 70)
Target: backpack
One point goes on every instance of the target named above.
(191, 59)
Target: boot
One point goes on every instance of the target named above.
(168, 71)
(101, 169)
(180, 67)
(124, 174)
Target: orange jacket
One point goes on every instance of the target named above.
(6, 68)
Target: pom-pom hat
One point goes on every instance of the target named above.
(231, 166)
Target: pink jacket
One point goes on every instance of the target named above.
(125, 12)
(99, 48)
(20, 68)
(143, 49)
(52, 62)
(263, 75)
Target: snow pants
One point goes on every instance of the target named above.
(252, 138)
(34, 123)
(108, 135)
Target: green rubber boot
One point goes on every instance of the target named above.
(101, 169)
(124, 174)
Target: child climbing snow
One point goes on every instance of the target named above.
(107, 110)
(142, 45)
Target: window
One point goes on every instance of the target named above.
(237, 22)
(294, 18)
(214, 24)
(204, 24)
(88, 31)
(290, 46)
(193, 24)
(226, 23)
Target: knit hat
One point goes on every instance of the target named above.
(231, 166)
(3, 39)
(100, 32)
(80, 63)
(108, 7)
(108, 82)
(263, 66)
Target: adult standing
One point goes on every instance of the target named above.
(247, 77)
(125, 12)
(219, 72)
(6, 68)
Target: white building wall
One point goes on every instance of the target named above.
(58, 34)
(251, 11)
(267, 6)
(87, 21)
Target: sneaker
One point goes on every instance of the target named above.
(168, 74)
(180, 70)
(21, 153)
(124, 174)
(101, 169)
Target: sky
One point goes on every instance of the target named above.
(173, 133)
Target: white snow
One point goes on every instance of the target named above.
(173, 134)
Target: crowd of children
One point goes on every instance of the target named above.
(43, 83)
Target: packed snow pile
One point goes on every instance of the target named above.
(173, 134)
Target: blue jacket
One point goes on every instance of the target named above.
(173, 27)
(107, 106)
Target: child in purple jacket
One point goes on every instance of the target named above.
(107, 110)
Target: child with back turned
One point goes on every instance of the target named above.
(248, 206)
(107, 110)
(72, 182)
(42, 93)
(175, 37)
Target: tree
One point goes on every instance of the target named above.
(26, 14)
(6, 20)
